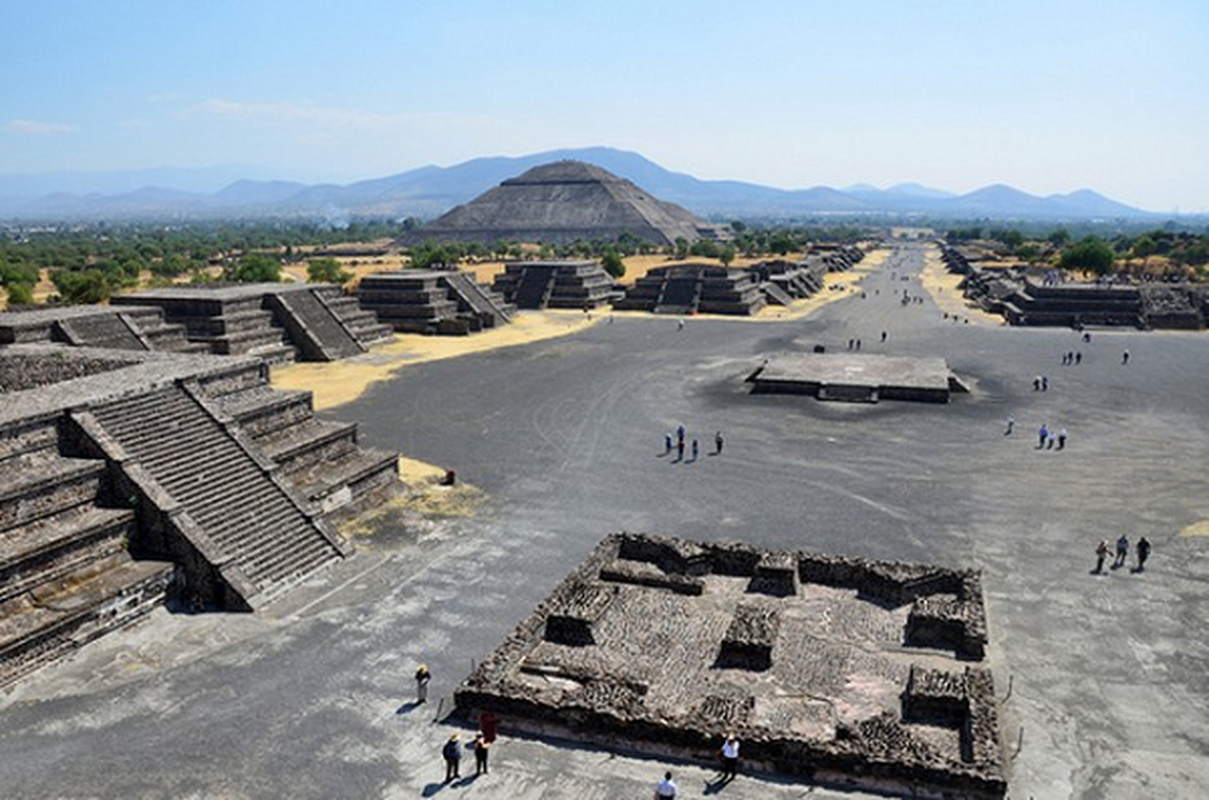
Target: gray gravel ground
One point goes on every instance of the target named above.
(1107, 673)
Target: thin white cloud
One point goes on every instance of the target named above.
(36, 127)
(330, 118)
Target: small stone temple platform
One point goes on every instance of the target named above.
(848, 672)
(855, 377)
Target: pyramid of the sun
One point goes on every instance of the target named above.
(559, 203)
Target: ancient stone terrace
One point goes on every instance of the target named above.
(694, 288)
(784, 281)
(433, 302)
(277, 321)
(121, 469)
(840, 670)
(856, 377)
(555, 284)
(97, 326)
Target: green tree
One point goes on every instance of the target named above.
(1059, 237)
(1090, 254)
(253, 268)
(86, 287)
(326, 270)
(727, 254)
(20, 294)
(681, 251)
(612, 263)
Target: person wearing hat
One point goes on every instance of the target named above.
(730, 758)
(452, 753)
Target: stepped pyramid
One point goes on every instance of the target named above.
(559, 203)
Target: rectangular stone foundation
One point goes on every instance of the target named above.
(821, 682)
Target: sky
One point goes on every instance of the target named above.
(1049, 96)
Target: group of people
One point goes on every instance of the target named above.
(1141, 549)
(682, 442)
(1047, 438)
(452, 750)
(729, 756)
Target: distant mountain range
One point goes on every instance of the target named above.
(429, 191)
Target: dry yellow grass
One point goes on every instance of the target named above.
(942, 286)
(339, 382)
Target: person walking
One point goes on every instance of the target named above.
(1122, 552)
(718, 443)
(1011, 423)
(1061, 438)
(1042, 435)
(1101, 554)
(481, 749)
(680, 450)
(1143, 550)
(695, 451)
(452, 753)
(1125, 357)
(423, 676)
(666, 788)
(730, 758)
(667, 443)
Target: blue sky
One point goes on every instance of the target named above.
(1047, 96)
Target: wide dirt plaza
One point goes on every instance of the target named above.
(1101, 679)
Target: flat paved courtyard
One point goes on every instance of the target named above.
(1105, 677)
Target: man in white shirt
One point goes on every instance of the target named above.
(730, 758)
(666, 788)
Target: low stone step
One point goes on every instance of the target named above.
(295, 442)
(360, 471)
(42, 483)
(60, 616)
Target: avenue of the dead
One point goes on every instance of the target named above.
(1100, 678)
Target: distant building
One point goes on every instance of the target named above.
(560, 203)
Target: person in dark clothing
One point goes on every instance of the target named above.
(718, 443)
(452, 753)
(480, 755)
(1143, 550)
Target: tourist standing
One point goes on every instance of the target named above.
(481, 748)
(730, 758)
(1061, 438)
(680, 450)
(718, 443)
(694, 450)
(1143, 550)
(1122, 552)
(1011, 423)
(1042, 435)
(1101, 554)
(667, 443)
(452, 753)
(1125, 357)
(666, 788)
(423, 676)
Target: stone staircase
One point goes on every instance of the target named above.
(680, 295)
(321, 459)
(555, 284)
(362, 324)
(226, 504)
(66, 575)
(474, 298)
(313, 328)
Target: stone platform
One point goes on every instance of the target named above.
(854, 377)
(844, 671)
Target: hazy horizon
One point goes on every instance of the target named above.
(1048, 99)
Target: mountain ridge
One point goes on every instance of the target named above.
(431, 190)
